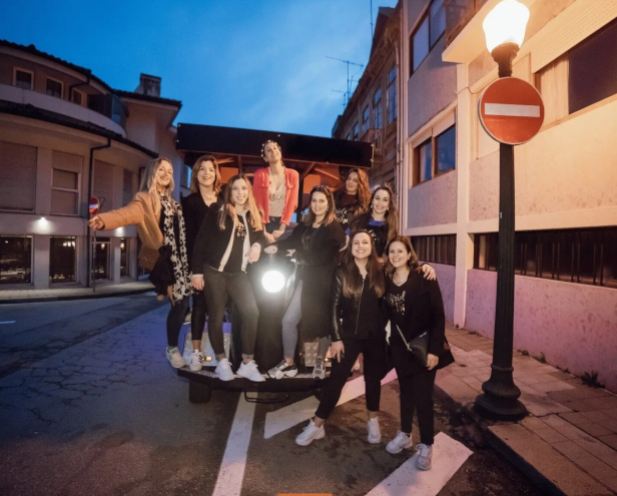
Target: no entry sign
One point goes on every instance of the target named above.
(511, 111)
(94, 206)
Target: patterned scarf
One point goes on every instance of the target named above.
(169, 209)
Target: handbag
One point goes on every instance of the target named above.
(418, 346)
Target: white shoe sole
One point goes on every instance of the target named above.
(400, 450)
(258, 378)
(195, 368)
(223, 376)
(376, 440)
(320, 435)
(177, 365)
(422, 468)
(280, 375)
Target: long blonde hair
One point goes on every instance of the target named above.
(228, 207)
(148, 184)
(218, 183)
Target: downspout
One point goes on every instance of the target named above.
(399, 133)
(90, 181)
(87, 81)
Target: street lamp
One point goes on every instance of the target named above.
(504, 28)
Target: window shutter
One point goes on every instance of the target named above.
(17, 177)
(104, 183)
(67, 161)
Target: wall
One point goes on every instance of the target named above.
(445, 276)
(573, 325)
(433, 202)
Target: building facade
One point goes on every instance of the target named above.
(65, 135)
(371, 115)
(566, 177)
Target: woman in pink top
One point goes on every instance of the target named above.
(276, 191)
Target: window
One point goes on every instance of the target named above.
(436, 249)
(104, 184)
(101, 258)
(377, 124)
(17, 177)
(15, 259)
(348, 137)
(62, 259)
(77, 97)
(24, 79)
(392, 96)
(419, 45)
(587, 256)
(124, 260)
(127, 187)
(593, 69)
(437, 20)
(54, 88)
(435, 156)
(64, 192)
(356, 131)
(366, 119)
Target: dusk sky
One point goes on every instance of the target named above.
(257, 64)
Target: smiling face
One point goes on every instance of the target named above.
(319, 203)
(272, 153)
(206, 174)
(361, 246)
(398, 254)
(164, 174)
(239, 192)
(381, 202)
(351, 185)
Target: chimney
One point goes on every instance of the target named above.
(149, 85)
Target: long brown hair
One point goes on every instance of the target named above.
(352, 280)
(330, 213)
(412, 263)
(228, 207)
(148, 184)
(364, 190)
(218, 183)
(391, 214)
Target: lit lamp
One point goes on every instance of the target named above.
(504, 28)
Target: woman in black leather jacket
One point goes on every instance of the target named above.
(358, 327)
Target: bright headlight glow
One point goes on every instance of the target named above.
(273, 281)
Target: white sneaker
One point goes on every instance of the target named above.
(425, 456)
(174, 357)
(196, 360)
(399, 443)
(283, 369)
(310, 433)
(223, 370)
(250, 371)
(319, 371)
(374, 434)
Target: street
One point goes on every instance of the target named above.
(89, 405)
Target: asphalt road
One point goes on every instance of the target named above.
(102, 413)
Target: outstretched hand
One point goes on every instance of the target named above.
(96, 223)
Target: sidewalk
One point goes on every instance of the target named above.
(568, 442)
(74, 293)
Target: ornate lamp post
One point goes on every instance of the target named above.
(504, 28)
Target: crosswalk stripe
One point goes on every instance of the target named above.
(448, 456)
(289, 416)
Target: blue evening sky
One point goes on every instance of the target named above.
(257, 64)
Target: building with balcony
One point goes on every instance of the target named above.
(566, 177)
(66, 135)
(371, 112)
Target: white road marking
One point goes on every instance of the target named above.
(231, 473)
(301, 411)
(8, 322)
(448, 456)
(513, 110)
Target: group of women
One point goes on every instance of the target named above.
(203, 247)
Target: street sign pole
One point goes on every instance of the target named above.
(94, 207)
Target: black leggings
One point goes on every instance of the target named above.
(217, 286)
(198, 316)
(175, 319)
(375, 368)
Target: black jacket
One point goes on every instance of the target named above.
(318, 260)
(211, 242)
(194, 209)
(424, 312)
(378, 233)
(361, 316)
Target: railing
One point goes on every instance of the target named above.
(374, 136)
(458, 14)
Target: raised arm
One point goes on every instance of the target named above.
(133, 213)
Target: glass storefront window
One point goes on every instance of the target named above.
(15, 259)
(124, 261)
(101, 258)
(62, 259)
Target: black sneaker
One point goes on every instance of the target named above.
(283, 369)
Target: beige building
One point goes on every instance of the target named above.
(566, 177)
(66, 135)
(372, 111)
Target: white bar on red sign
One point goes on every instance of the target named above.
(512, 109)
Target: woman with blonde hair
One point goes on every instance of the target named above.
(353, 197)
(205, 189)
(230, 238)
(161, 229)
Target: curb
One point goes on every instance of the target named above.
(76, 297)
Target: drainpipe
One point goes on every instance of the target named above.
(90, 181)
(87, 81)
(399, 134)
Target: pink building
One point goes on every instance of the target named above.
(65, 134)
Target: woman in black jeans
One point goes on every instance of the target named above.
(414, 305)
(229, 239)
(205, 190)
(358, 327)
